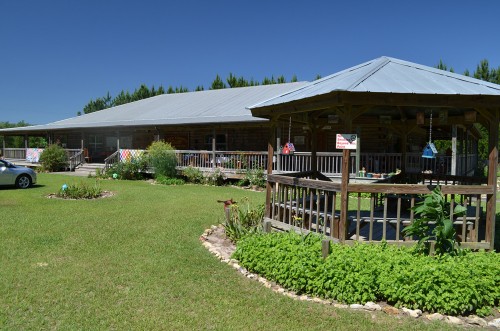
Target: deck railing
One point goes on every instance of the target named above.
(15, 153)
(377, 212)
(229, 160)
(329, 163)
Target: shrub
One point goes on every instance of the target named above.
(194, 175)
(80, 191)
(216, 177)
(54, 158)
(243, 219)
(254, 177)
(454, 285)
(161, 156)
(132, 170)
(160, 179)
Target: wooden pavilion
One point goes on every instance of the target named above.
(402, 96)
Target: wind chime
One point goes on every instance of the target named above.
(289, 148)
(430, 150)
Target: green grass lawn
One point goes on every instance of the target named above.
(134, 261)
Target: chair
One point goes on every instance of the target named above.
(88, 158)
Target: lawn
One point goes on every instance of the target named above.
(134, 261)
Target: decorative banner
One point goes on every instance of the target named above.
(126, 155)
(347, 141)
(33, 154)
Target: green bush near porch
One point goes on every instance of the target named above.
(451, 285)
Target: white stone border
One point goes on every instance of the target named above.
(471, 320)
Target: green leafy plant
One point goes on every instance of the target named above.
(243, 219)
(132, 169)
(454, 285)
(54, 158)
(161, 156)
(435, 223)
(194, 175)
(80, 190)
(254, 177)
(216, 177)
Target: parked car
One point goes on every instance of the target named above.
(11, 174)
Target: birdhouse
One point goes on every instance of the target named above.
(430, 151)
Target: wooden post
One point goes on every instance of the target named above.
(117, 140)
(325, 248)
(492, 179)
(344, 201)
(214, 146)
(358, 151)
(82, 146)
(270, 155)
(454, 150)
(404, 142)
(314, 148)
(267, 226)
(278, 152)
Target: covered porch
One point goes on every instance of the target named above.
(403, 98)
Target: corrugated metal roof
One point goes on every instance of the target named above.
(204, 107)
(387, 74)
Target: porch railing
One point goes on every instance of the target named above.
(75, 159)
(329, 163)
(15, 153)
(376, 212)
(112, 159)
(229, 160)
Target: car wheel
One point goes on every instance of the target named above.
(23, 181)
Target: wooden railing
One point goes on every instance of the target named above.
(376, 212)
(232, 160)
(112, 159)
(329, 163)
(15, 153)
(75, 159)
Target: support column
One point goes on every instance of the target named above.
(453, 150)
(314, 147)
(117, 140)
(26, 141)
(358, 151)
(214, 146)
(270, 154)
(492, 178)
(3, 146)
(82, 142)
(344, 194)
(278, 151)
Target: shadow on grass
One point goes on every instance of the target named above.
(13, 187)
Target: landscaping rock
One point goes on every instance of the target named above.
(340, 305)
(476, 320)
(435, 317)
(495, 323)
(453, 320)
(356, 306)
(412, 312)
(389, 310)
(372, 306)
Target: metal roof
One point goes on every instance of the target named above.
(204, 107)
(389, 75)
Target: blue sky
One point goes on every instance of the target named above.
(57, 55)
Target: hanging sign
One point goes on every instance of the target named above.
(347, 141)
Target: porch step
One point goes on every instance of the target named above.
(89, 168)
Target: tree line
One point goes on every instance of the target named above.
(144, 91)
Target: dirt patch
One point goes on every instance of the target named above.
(216, 236)
(104, 194)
